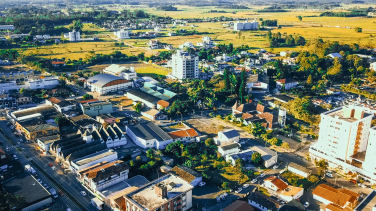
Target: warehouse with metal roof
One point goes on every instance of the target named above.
(106, 83)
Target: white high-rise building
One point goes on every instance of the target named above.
(184, 65)
(122, 34)
(347, 141)
(74, 36)
(207, 42)
(246, 26)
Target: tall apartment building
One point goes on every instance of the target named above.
(184, 65)
(246, 26)
(347, 141)
(74, 36)
(166, 193)
(122, 34)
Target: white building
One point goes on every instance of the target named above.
(346, 141)
(122, 34)
(7, 27)
(184, 65)
(74, 36)
(268, 156)
(372, 66)
(108, 155)
(105, 83)
(228, 149)
(299, 170)
(287, 83)
(42, 82)
(103, 175)
(246, 26)
(114, 69)
(187, 175)
(129, 74)
(186, 44)
(227, 136)
(207, 42)
(148, 135)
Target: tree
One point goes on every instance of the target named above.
(226, 78)
(300, 18)
(87, 97)
(336, 69)
(274, 141)
(22, 90)
(225, 185)
(132, 163)
(105, 125)
(209, 142)
(137, 107)
(359, 30)
(239, 163)
(285, 145)
(322, 166)
(309, 80)
(242, 85)
(9, 201)
(256, 157)
(77, 25)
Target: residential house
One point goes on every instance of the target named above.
(96, 108)
(106, 174)
(263, 202)
(257, 83)
(282, 189)
(22, 99)
(239, 206)
(185, 135)
(335, 55)
(102, 118)
(227, 149)
(187, 175)
(335, 199)
(66, 105)
(58, 63)
(299, 170)
(268, 156)
(154, 44)
(153, 114)
(372, 66)
(275, 184)
(286, 83)
(227, 136)
(161, 104)
(333, 91)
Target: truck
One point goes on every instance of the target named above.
(30, 169)
(53, 192)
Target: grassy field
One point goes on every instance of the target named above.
(140, 67)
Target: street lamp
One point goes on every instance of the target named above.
(181, 116)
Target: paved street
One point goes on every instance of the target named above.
(28, 155)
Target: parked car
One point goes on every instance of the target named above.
(329, 174)
(245, 185)
(15, 157)
(306, 204)
(83, 193)
(238, 190)
(353, 181)
(262, 175)
(202, 184)
(254, 181)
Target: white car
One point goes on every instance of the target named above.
(238, 190)
(306, 204)
(45, 185)
(83, 193)
(40, 181)
(329, 174)
(15, 157)
(245, 185)
(202, 184)
(53, 168)
(262, 175)
(254, 181)
(275, 167)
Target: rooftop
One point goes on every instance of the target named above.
(338, 197)
(265, 201)
(348, 113)
(277, 182)
(41, 127)
(299, 167)
(230, 133)
(148, 131)
(26, 186)
(229, 146)
(185, 173)
(44, 110)
(146, 197)
(93, 157)
(287, 80)
(106, 170)
(368, 203)
(183, 133)
(49, 139)
(103, 79)
(291, 191)
(239, 206)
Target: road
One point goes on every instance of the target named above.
(28, 155)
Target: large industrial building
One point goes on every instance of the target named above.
(245, 26)
(106, 83)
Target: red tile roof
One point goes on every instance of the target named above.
(287, 80)
(338, 197)
(88, 101)
(163, 103)
(58, 62)
(183, 133)
(277, 182)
